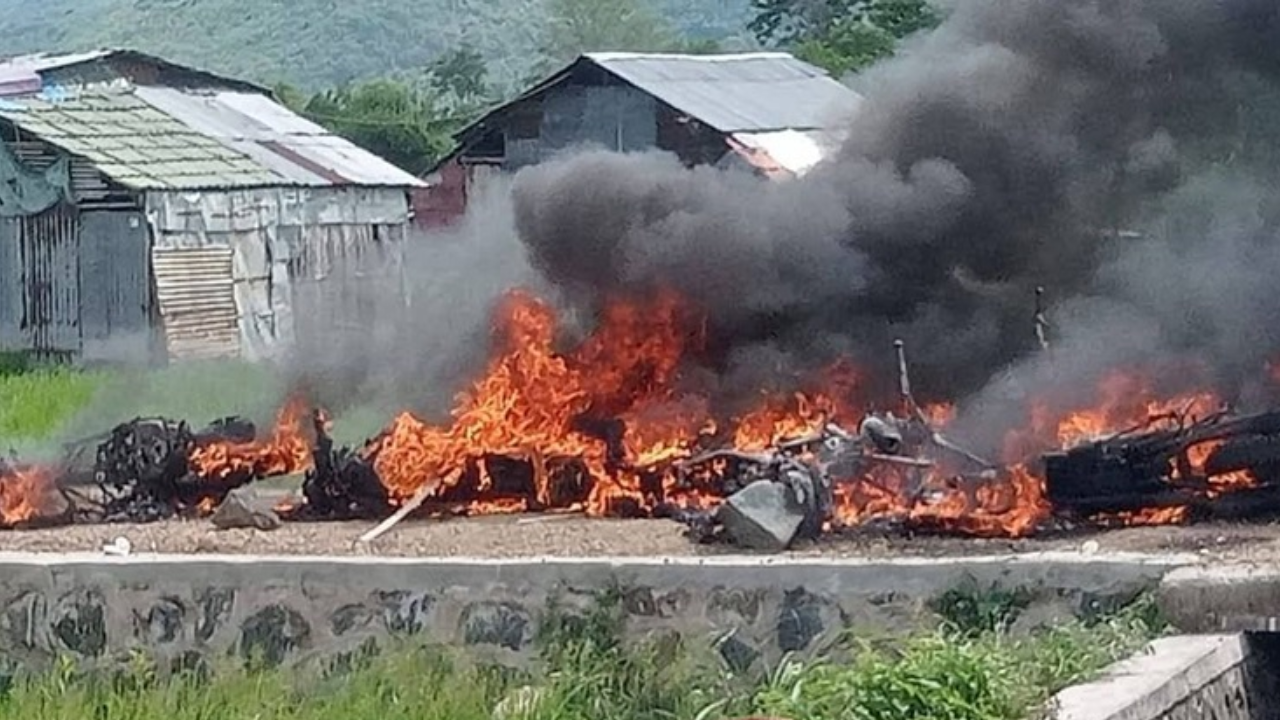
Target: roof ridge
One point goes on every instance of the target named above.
(710, 57)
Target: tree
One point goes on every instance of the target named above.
(841, 36)
(290, 96)
(393, 119)
(461, 77)
(574, 27)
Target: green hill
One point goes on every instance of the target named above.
(317, 43)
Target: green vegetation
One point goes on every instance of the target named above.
(317, 45)
(842, 36)
(35, 404)
(38, 402)
(586, 672)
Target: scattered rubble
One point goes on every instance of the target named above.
(790, 492)
(120, 547)
(764, 515)
(244, 508)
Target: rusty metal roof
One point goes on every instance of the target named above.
(741, 92)
(276, 138)
(133, 143)
(155, 138)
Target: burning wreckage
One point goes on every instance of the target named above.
(602, 430)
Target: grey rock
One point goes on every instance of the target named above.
(242, 508)
(764, 516)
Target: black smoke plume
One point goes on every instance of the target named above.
(1122, 154)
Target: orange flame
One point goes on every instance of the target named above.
(616, 408)
(25, 493)
(285, 451)
(604, 426)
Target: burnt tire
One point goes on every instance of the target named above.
(1255, 453)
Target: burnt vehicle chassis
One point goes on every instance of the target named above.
(141, 470)
(1145, 468)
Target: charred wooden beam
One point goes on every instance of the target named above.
(342, 484)
(1149, 469)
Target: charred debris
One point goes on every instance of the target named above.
(1225, 466)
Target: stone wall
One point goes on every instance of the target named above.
(184, 608)
(1188, 677)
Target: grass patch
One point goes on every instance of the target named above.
(35, 403)
(586, 672)
(38, 403)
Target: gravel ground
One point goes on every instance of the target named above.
(515, 536)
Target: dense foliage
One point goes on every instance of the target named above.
(842, 36)
(316, 44)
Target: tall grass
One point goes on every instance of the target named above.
(587, 673)
(37, 402)
(957, 673)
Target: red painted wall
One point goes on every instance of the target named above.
(444, 202)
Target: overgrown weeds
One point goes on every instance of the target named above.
(957, 673)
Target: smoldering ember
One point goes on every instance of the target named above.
(610, 428)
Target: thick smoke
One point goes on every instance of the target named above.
(417, 357)
(1117, 153)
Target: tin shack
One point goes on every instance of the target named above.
(765, 111)
(152, 212)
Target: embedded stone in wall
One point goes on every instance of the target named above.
(731, 605)
(405, 612)
(273, 633)
(503, 624)
(644, 602)
(799, 620)
(81, 625)
(191, 662)
(350, 618)
(737, 653)
(24, 621)
(1091, 606)
(345, 662)
(162, 623)
(215, 606)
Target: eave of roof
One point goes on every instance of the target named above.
(45, 62)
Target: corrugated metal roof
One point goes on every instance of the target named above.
(732, 93)
(276, 138)
(743, 92)
(41, 62)
(161, 138)
(133, 143)
(21, 74)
